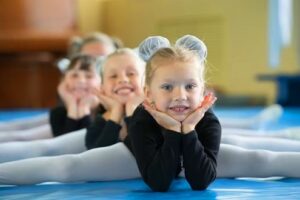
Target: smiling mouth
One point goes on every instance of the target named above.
(179, 109)
(124, 91)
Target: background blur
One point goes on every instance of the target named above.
(34, 34)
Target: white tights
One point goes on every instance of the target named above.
(117, 163)
(101, 164)
(36, 133)
(73, 142)
(261, 142)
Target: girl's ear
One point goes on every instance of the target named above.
(147, 92)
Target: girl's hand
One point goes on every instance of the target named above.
(90, 100)
(69, 100)
(115, 108)
(133, 102)
(65, 93)
(192, 119)
(107, 102)
(87, 104)
(162, 118)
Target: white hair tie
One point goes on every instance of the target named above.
(150, 45)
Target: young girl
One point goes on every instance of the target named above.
(75, 90)
(175, 128)
(116, 162)
(93, 44)
(121, 93)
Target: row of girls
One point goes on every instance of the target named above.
(145, 112)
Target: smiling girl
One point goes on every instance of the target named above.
(176, 126)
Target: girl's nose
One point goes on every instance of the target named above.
(81, 79)
(179, 94)
(123, 79)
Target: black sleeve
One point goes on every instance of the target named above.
(102, 133)
(200, 149)
(157, 151)
(61, 123)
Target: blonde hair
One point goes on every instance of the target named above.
(172, 54)
(77, 43)
(157, 48)
(122, 51)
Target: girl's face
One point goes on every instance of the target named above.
(82, 82)
(96, 49)
(176, 88)
(122, 77)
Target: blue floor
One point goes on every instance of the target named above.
(136, 189)
(289, 118)
(6, 115)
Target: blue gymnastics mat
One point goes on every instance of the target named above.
(7, 115)
(272, 188)
(136, 189)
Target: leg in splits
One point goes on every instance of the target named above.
(235, 161)
(101, 164)
(73, 142)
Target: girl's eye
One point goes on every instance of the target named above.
(130, 74)
(190, 86)
(89, 76)
(113, 76)
(74, 75)
(167, 87)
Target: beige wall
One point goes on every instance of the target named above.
(90, 15)
(235, 32)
